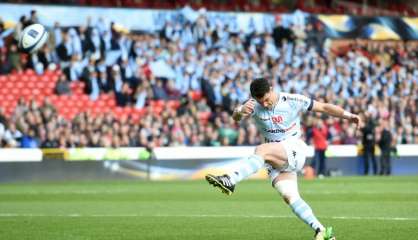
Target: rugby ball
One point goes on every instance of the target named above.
(32, 38)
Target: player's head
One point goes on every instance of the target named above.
(262, 91)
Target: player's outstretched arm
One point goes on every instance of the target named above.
(336, 111)
(243, 111)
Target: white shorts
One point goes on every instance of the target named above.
(296, 155)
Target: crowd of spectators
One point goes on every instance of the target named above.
(377, 78)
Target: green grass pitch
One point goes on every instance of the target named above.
(357, 207)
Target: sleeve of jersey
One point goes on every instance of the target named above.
(301, 102)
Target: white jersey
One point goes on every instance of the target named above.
(283, 120)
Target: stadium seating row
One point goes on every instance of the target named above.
(31, 87)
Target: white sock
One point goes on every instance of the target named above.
(246, 168)
(304, 212)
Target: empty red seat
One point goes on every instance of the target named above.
(10, 84)
(117, 110)
(96, 110)
(157, 109)
(12, 78)
(29, 72)
(110, 103)
(53, 98)
(83, 98)
(24, 78)
(26, 92)
(45, 78)
(19, 85)
(40, 84)
(173, 104)
(50, 85)
(14, 91)
(39, 98)
(33, 78)
(35, 91)
(10, 97)
(196, 95)
(78, 91)
(30, 84)
(69, 103)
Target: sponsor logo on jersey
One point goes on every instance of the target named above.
(296, 99)
(279, 130)
(263, 119)
(277, 119)
(275, 130)
(267, 140)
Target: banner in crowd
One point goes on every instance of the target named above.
(139, 19)
(99, 154)
(180, 163)
(20, 155)
(170, 163)
(176, 169)
(336, 26)
(374, 28)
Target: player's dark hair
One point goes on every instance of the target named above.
(259, 87)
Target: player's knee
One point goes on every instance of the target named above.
(263, 150)
(288, 189)
(260, 150)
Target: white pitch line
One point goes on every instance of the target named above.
(376, 218)
(76, 215)
(322, 192)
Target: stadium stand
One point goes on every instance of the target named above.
(109, 93)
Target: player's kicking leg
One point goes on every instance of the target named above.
(286, 184)
(272, 152)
